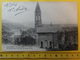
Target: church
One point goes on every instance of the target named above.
(52, 35)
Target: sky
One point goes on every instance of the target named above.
(55, 12)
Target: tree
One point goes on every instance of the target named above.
(28, 40)
(27, 37)
(6, 35)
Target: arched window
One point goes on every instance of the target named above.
(50, 43)
(39, 17)
(41, 44)
(36, 18)
(46, 44)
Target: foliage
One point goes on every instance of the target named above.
(27, 40)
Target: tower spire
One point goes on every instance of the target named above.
(37, 8)
(38, 21)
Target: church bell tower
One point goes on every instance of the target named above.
(38, 22)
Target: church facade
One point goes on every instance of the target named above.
(53, 35)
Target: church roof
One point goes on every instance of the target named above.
(49, 29)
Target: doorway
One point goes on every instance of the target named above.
(41, 44)
(46, 44)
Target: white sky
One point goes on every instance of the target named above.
(55, 12)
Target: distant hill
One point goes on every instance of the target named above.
(69, 25)
(62, 25)
(13, 26)
(10, 28)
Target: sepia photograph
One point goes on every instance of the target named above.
(39, 26)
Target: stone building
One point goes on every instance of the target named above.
(50, 35)
(47, 34)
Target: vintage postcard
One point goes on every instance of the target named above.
(39, 26)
